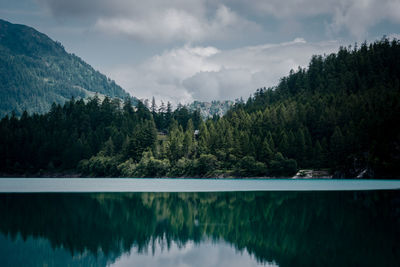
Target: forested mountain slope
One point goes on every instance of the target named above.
(36, 71)
(340, 114)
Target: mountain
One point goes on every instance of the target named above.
(340, 115)
(37, 71)
(209, 109)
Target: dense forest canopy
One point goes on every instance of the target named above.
(340, 114)
(37, 71)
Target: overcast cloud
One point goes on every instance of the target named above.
(195, 20)
(206, 73)
(184, 50)
(172, 24)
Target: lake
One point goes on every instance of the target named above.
(119, 222)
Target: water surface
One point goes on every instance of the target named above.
(291, 228)
(187, 185)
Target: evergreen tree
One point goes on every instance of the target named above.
(337, 148)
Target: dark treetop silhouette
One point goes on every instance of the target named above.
(341, 113)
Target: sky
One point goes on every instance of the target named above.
(185, 50)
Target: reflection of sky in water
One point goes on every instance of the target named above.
(39, 252)
(359, 228)
(207, 253)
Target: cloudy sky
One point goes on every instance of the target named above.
(185, 50)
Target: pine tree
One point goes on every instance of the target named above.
(168, 114)
(175, 145)
(283, 146)
(266, 152)
(317, 156)
(153, 107)
(337, 148)
(188, 141)
(109, 148)
(203, 139)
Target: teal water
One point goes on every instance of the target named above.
(263, 228)
(15, 185)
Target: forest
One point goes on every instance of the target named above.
(37, 71)
(340, 114)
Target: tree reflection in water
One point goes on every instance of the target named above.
(288, 228)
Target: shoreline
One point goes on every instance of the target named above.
(303, 174)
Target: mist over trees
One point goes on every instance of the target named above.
(341, 113)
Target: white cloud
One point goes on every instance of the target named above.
(198, 71)
(358, 16)
(394, 36)
(162, 75)
(158, 20)
(167, 25)
(206, 73)
(173, 24)
(287, 8)
(205, 20)
(222, 84)
(107, 8)
(354, 16)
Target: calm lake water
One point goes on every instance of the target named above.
(329, 226)
(28, 185)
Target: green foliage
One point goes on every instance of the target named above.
(249, 167)
(36, 72)
(281, 166)
(151, 167)
(175, 148)
(94, 134)
(339, 114)
(100, 166)
(144, 137)
(182, 168)
(127, 168)
(206, 164)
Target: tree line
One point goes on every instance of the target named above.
(36, 72)
(341, 113)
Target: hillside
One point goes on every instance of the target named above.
(37, 71)
(340, 115)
